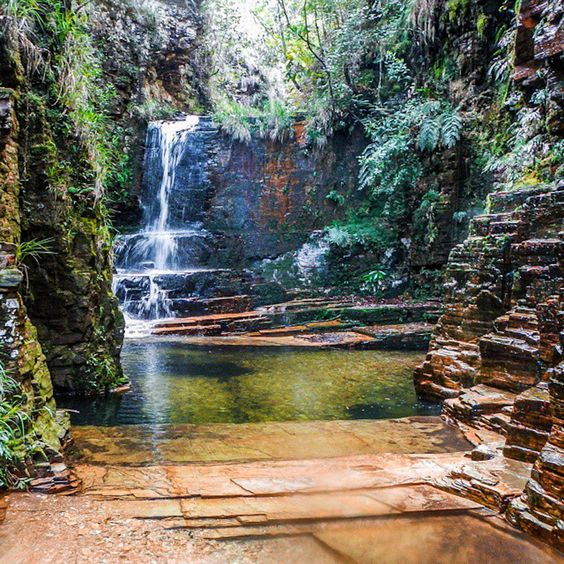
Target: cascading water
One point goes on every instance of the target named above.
(172, 140)
(156, 265)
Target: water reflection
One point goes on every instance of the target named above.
(176, 383)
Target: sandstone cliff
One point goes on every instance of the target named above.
(495, 358)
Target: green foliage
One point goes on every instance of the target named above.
(427, 284)
(358, 230)
(17, 441)
(520, 150)
(276, 121)
(457, 9)
(33, 249)
(481, 24)
(272, 120)
(439, 127)
(153, 110)
(390, 165)
(60, 54)
(102, 374)
(326, 59)
(336, 198)
(500, 66)
(372, 282)
(235, 120)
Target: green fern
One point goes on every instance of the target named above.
(451, 129)
(17, 441)
(444, 129)
(429, 134)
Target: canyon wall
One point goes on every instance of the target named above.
(496, 355)
(23, 363)
(61, 328)
(272, 195)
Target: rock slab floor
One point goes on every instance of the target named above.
(379, 506)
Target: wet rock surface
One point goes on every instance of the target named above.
(181, 444)
(497, 346)
(277, 324)
(22, 356)
(378, 506)
(495, 357)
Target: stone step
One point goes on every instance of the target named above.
(212, 325)
(510, 363)
(530, 425)
(503, 202)
(248, 324)
(216, 318)
(494, 482)
(539, 252)
(303, 304)
(481, 224)
(199, 330)
(506, 227)
(531, 337)
(474, 403)
(497, 422)
(377, 314)
(406, 336)
(316, 326)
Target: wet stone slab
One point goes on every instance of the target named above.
(377, 508)
(163, 444)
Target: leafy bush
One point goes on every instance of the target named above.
(59, 52)
(372, 282)
(336, 198)
(272, 121)
(390, 165)
(153, 110)
(17, 442)
(235, 120)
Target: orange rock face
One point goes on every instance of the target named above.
(496, 352)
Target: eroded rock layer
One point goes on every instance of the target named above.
(25, 382)
(496, 355)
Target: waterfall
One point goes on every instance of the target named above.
(172, 141)
(156, 266)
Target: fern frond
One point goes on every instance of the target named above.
(451, 129)
(429, 135)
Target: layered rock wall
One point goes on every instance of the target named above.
(62, 244)
(496, 355)
(21, 357)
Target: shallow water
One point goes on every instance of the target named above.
(175, 383)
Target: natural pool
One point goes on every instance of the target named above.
(175, 383)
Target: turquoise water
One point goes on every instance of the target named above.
(174, 383)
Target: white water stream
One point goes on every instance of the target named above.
(149, 261)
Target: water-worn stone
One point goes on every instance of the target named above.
(530, 425)
(10, 278)
(295, 506)
(504, 302)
